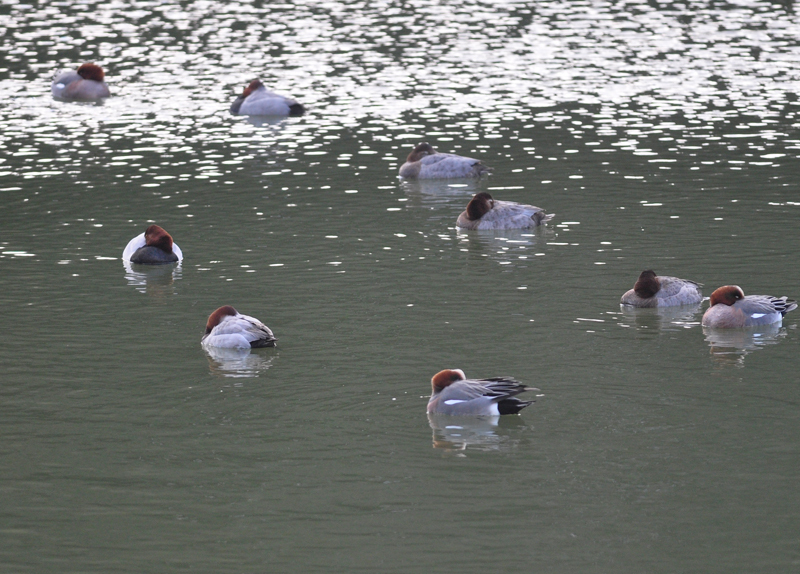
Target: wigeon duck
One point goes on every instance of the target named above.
(485, 212)
(84, 84)
(654, 291)
(256, 100)
(730, 309)
(226, 327)
(427, 163)
(153, 247)
(454, 394)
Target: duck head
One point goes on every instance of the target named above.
(155, 236)
(444, 379)
(481, 204)
(217, 316)
(727, 295)
(420, 151)
(252, 87)
(647, 285)
(91, 71)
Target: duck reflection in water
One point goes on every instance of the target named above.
(439, 192)
(514, 247)
(236, 363)
(154, 280)
(731, 346)
(274, 124)
(457, 434)
(661, 318)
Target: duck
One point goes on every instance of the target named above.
(424, 162)
(153, 247)
(228, 328)
(454, 394)
(651, 290)
(85, 84)
(730, 309)
(485, 212)
(256, 100)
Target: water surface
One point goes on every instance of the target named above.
(663, 136)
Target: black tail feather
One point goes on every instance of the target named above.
(512, 406)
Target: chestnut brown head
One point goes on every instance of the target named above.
(444, 379)
(481, 204)
(217, 316)
(726, 295)
(155, 236)
(252, 87)
(91, 71)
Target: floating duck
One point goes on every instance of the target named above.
(427, 163)
(485, 212)
(85, 84)
(226, 327)
(256, 100)
(730, 309)
(454, 394)
(153, 247)
(651, 290)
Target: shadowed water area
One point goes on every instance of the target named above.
(662, 135)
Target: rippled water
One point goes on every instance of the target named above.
(663, 135)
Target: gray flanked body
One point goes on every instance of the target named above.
(673, 291)
(259, 101)
(752, 311)
(69, 85)
(226, 327)
(483, 397)
(443, 166)
(424, 162)
(506, 215)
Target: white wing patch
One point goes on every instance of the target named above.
(454, 402)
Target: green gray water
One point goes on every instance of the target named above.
(662, 137)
